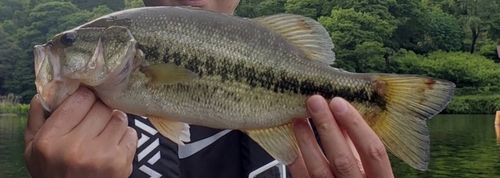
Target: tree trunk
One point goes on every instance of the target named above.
(475, 36)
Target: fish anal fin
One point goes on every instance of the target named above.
(279, 142)
(305, 33)
(164, 74)
(173, 130)
(408, 101)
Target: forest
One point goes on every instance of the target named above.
(454, 40)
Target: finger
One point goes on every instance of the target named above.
(129, 143)
(336, 150)
(71, 112)
(115, 128)
(371, 150)
(129, 171)
(36, 119)
(315, 161)
(298, 167)
(354, 152)
(95, 121)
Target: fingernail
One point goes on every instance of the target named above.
(316, 104)
(119, 114)
(339, 106)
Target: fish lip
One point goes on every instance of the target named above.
(40, 55)
(42, 84)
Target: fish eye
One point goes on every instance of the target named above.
(68, 39)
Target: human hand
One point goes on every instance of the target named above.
(363, 156)
(82, 138)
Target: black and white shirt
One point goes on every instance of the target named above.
(211, 153)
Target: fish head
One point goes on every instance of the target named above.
(89, 57)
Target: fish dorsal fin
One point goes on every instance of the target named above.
(306, 33)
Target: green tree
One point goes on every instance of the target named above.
(248, 8)
(21, 81)
(410, 31)
(379, 8)
(462, 68)
(442, 32)
(475, 15)
(89, 5)
(269, 7)
(45, 17)
(133, 3)
(9, 7)
(308, 8)
(359, 39)
(9, 54)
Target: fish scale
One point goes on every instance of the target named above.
(178, 65)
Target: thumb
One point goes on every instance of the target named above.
(36, 119)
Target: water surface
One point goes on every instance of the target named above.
(12, 147)
(461, 146)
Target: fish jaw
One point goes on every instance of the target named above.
(50, 86)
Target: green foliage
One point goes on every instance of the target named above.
(133, 3)
(489, 50)
(359, 39)
(443, 32)
(269, 7)
(19, 109)
(474, 104)
(89, 5)
(248, 8)
(9, 104)
(309, 8)
(465, 69)
(476, 17)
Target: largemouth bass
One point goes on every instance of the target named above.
(178, 65)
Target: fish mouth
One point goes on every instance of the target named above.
(51, 87)
(42, 75)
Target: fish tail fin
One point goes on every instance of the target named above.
(409, 101)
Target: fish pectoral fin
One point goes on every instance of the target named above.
(305, 33)
(279, 142)
(177, 132)
(164, 74)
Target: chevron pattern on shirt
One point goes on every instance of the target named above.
(147, 147)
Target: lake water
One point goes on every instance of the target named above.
(461, 146)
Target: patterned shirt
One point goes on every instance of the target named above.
(210, 153)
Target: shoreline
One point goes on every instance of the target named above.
(8, 115)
